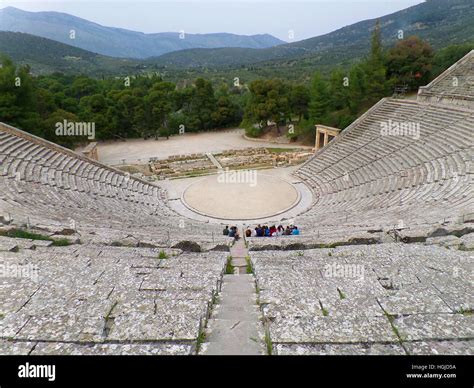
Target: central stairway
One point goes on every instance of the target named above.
(235, 327)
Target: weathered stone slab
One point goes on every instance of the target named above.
(444, 241)
(467, 242)
(332, 330)
(435, 327)
(339, 349)
(454, 347)
(414, 299)
(304, 307)
(21, 348)
(162, 349)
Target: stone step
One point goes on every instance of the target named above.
(239, 262)
(238, 254)
(237, 298)
(233, 288)
(239, 271)
(244, 312)
(234, 337)
(241, 279)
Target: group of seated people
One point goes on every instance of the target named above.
(263, 231)
(272, 231)
(232, 232)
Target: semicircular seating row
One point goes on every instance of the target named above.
(370, 177)
(454, 86)
(51, 186)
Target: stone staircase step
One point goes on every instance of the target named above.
(239, 262)
(245, 312)
(246, 278)
(234, 337)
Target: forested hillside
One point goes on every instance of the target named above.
(45, 56)
(151, 106)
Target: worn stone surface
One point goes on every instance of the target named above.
(87, 296)
(435, 326)
(339, 349)
(161, 349)
(454, 347)
(16, 347)
(467, 242)
(331, 301)
(445, 241)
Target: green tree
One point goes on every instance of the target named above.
(95, 109)
(227, 111)
(338, 90)
(409, 62)
(299, 101)
(161, 102)
(376, 72)
(268, 100)
(319, 99)
(125, 105)
(357, 89)
(447, 56)
(49, 124)
(199, 103)
(83, 86)
(17, 97)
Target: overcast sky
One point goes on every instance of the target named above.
(304, 18)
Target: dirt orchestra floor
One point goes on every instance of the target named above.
(275, 195)
(240, 195)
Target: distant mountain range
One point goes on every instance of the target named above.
(441, 22)
(120, 42)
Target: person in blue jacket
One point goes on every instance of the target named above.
(295, 231)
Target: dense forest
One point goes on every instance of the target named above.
(149, 106)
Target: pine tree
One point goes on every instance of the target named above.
(299, 100)
(202, 104)
(319, 103)
(357, 89)
(376, 72)
(17, 97)
(338, 90)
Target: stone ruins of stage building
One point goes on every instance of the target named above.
(181, 166)
(325, 134)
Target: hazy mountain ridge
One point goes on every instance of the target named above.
(119, 42)
(441, 22)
